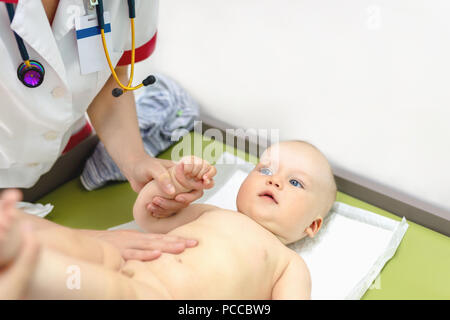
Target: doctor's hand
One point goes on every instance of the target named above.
(144, 169)
(135, 245)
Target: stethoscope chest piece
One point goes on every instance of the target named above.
(31, 74)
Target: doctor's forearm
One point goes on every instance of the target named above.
(115, 122)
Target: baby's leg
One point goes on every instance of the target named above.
(61, 276)
(75, 244)
(10, 240)
(61, 239)
(37, 223)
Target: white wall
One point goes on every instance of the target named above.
(368, 82)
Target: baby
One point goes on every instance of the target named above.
(241, 254)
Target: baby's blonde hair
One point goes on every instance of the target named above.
(330, 191)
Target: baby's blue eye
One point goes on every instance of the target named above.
(295, 183)
(265, 171)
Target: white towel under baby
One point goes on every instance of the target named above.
(36, 209)
(347, 254)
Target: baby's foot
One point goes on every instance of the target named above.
(9, 232)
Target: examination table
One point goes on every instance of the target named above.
(420, 268)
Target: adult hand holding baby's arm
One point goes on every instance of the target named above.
(161, 206)
(191, 173)
(194, 173)
(147, 169)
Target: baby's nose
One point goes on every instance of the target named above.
(276, 184)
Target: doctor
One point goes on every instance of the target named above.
(38, 124)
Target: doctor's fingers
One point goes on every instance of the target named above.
(14, 280)
(142, 255)
(168, 245)
(166, 163)
(173, 239)
(162, 177)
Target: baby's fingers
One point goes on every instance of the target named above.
(208, 185)
(198, 166)
(191, 166)
(188, 164)
(211, 173)
(204, 169)
(183, 180)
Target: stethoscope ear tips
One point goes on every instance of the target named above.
(149, 80)
(117, 92)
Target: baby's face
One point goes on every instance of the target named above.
(284, 193)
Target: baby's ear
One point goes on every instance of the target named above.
(314, 227)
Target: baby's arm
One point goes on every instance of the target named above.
(295, 281)
(189, 174)
(184, 216)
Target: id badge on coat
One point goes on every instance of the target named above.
(90, 48)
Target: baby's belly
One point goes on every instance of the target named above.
(230, 262)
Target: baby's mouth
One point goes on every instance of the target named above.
(268, 195)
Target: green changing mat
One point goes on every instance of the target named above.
(420, 268)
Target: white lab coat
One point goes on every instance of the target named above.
(36, 123)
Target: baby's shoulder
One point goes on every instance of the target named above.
(292, 257)
(295, 279)
(198, 209)
(213, 210)
(203, 207)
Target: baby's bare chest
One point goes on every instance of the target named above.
(233, 234)
(235, 257)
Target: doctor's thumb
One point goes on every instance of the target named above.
(163, 179)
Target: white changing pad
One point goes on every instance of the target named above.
(346, 255)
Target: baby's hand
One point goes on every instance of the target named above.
(195, 173)
(189, 175)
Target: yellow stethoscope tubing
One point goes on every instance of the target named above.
(111, 67)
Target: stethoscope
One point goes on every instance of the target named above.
(31, 72)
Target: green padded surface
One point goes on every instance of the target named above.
(420, 269)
